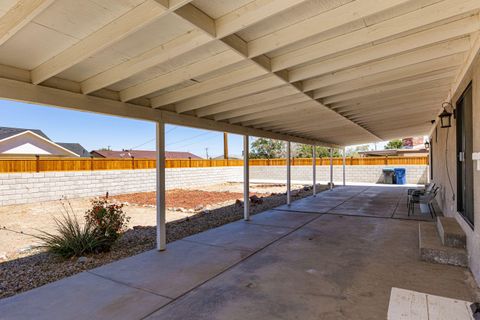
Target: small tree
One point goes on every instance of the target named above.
(305, 151)
(263, 148)
(394, 144)
(354, 152)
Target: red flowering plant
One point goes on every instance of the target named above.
(108, 218)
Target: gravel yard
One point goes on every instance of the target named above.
(32, 268)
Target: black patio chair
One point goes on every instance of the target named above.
(426, 198)
(416, 191)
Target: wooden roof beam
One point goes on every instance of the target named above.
(39, 94)
(290, 108)
(395, 97)
(323, 22)
(415, 20)
(449, 52)
(384, 89)
(235, 104)
(395, 76)
(220, 28)
(222, 81)
(22, 12)
(375, 52)
(241, 90)
(180, 75)
(239, 45)
(109, 34)
(233, 115)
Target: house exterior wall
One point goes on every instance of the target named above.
(28, 144)
(444, 170)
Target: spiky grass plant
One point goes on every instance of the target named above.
(71, 239)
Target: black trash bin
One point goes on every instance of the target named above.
(388, 176)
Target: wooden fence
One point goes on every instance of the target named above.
(86, 164)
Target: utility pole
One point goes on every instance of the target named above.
(206, 152)
(225, 146)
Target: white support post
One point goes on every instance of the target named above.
(288, 173)
(343, 164)
(314, 169)
(246, 178)
(331, 168)
(161, 232)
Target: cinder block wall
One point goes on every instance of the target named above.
(18, 188)
(368, 174)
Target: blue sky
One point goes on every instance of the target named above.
(95, 131)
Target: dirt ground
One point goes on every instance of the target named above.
(19, 222)
(186, 199)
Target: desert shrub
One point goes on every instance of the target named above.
(103, 225)
(71, 238)
(109, 220)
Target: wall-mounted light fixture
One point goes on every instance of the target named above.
(427, 145)
(446, 116)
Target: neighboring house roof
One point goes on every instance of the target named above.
(28, 142)
(6, 132)
(76, 148)
(73, 149)
(230, 156)
(180, 155)
(143, 154)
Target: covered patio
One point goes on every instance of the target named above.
(328, 263)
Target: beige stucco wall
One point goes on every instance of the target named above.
(444, 160)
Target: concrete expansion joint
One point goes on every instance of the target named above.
(233, 265)
(127, 285)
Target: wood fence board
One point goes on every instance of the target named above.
(12, 165)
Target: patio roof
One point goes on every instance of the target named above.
(332, 72)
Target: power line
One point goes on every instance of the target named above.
(151, 140)
(141, 145)
(190, 138)
(187, 145)
(171, 129)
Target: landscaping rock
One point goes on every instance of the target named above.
(256, 200)
(35, 268)
(82, 260)
(198, 208)
(26, 249)
(3, 256)
(238, 203)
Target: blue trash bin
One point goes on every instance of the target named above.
(400, 175)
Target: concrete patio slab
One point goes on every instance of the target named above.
(285, 219)
(333, 268)
(240, 235)
(280, 265)
(182, 267)
(354, 208)
(83, 296)
(324, 201)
